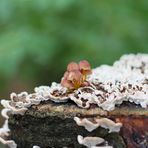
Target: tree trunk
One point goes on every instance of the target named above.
(52, 125)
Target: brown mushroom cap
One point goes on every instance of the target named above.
(67, 84)
(85, 67)
(72, 66)
(75, 76)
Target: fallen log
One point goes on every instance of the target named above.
(52, 125)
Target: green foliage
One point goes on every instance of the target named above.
(39, 37)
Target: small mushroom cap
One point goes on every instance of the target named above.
(66, 74)
(72, 79)
(85, 67)
(72, 66)
(66, 83)
(85, 83)
(74, 76)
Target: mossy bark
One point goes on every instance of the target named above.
(52, 125)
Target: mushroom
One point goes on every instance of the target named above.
(85, 68)
(72, 66)
(75, 76)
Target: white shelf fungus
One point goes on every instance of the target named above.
(109, 124)
(36, 146)
(102, 122)
(88, 125)
(89, 141)
(92, 142)
(101, 147)
(126, 80)
(91, 124)
(4, 132)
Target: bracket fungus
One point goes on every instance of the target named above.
(104, 87)
(4, 133)
(89, 141)
(9, 143)
(11, 108)
(36, 146)
(102, 146)
(109, 124)
(92, 142)
(89, 126)
(55, 92)
(102, 122)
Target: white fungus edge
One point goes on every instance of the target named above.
(102, 122)
(89, 141)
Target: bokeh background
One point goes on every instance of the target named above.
(38, 38)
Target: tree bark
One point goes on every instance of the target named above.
(52, 125)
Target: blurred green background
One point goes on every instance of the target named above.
(38, 38)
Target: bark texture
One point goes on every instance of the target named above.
(52, 125)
